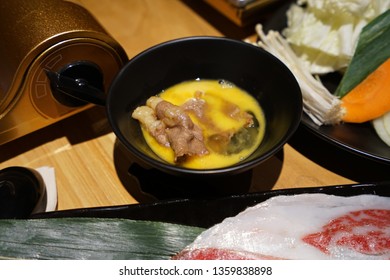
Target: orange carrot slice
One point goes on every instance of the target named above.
(371, 98)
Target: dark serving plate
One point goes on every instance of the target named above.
(360, 139)
(208, 212)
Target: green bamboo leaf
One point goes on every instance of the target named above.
(91, 238)
(372, 50)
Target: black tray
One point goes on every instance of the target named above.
(208, 212)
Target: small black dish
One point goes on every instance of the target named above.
(21, 192)
(248, 67)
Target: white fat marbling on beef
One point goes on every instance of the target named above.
(277, 226)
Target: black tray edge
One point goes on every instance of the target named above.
(208, 212)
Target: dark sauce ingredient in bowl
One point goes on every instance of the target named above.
(202, 124)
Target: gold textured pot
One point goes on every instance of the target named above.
(49, 35)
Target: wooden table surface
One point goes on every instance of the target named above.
(91, 167)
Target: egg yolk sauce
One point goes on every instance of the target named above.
(223, 119)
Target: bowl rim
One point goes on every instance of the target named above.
(179, 170)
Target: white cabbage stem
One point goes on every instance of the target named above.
(318, 103)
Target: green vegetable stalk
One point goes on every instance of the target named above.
(372, 50)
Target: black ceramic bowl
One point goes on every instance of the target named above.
(247, 66)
